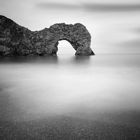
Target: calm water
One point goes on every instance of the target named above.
(38, 87)
(80, 87)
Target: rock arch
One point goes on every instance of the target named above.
(18, 40)
(77, 35)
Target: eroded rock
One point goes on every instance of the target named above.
(18, 40)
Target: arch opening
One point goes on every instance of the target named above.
(65, 47)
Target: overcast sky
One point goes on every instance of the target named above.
(29, 12)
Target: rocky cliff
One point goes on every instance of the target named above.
(18, 40)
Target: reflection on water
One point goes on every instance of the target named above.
(29, 59)
(38, 87)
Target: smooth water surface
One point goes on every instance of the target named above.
(38, 87)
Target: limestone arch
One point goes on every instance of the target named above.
(18, 40)
(77, 35)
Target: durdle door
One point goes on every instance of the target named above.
(16, 40)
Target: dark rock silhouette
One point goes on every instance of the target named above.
(18, 40)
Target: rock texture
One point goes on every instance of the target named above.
(18, 40)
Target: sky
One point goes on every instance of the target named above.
(28, 12)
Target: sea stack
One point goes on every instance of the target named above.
(16, 40)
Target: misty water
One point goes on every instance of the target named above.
(78, 87)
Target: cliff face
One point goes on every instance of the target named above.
(18, 40)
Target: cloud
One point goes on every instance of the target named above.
(112, 7)
(90, 7)
(63, 6)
